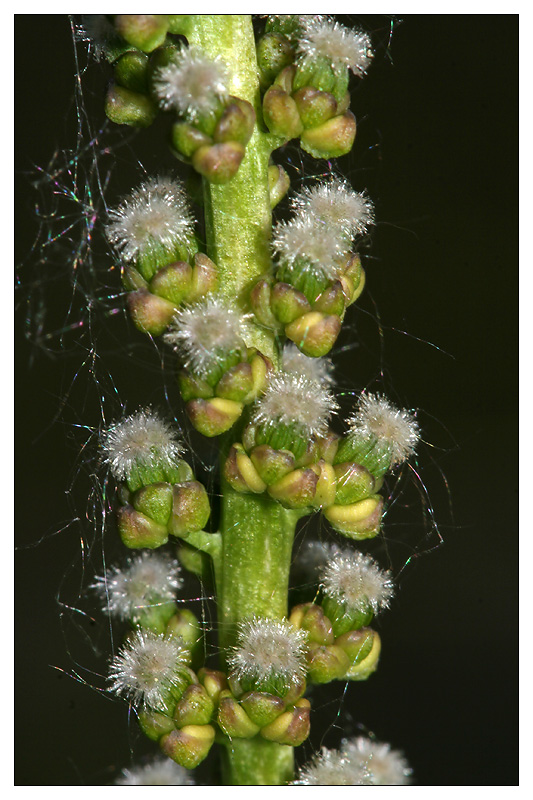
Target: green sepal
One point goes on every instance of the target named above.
(331, 139)
(326, 663)
(190, 509)
(126, 107)
(320, 75)
(354, 482)
(233, 719)
(173, 282)
(282, 437)
(143, 31)
(262, 708)
(356, 644)
(131, 71)
(314, 106)
(186, 139)
(345, 618)
(308, 280)
(189, 746)
(194, 708)
(138, 531)
(154, 616)
(146, 474)
(274, 53)
(272, 465)
(369, 452)
(236, 123)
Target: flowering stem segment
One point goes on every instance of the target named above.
(238, 213)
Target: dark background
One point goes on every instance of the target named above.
(437, 149)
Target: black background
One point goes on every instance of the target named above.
(437, 149)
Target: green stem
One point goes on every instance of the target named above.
(252, 574)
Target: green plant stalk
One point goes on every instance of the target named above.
(252, 575)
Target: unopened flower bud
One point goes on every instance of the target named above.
(290, 728)
(236, 384)
(150, 314)
(213, 417)
(126, 107)
(189, 746)
(326, 663)
(354, 482)
(332, 300)
(260, 302)
(194, 708)
(295, 490)
(192, 387)
(240, 472)
(262, 708)
(288, 303)
(131, 71)
(314, 333)
(185, 626)
(233, 719)
(331, 139)
(356, 644)
(278, 184)
(214, 682)
(326, 486)
(272, 465)
(314, 107)
(359, 520)
(219, 162)
(136, 530)
(155, 724)
(363, 669)
(280, 113)
(143, 31)
(204, 277)
(311, 618)
(173, 282)
(236, 123)
(155, 501)
(190, 508)
(274, 53)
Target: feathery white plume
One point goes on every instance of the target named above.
(294, 362)
(293, 399)
(192, 83)
(340, 46)
(397, 428)
(387, 767)
(268, 649)
(356, 580)
(335, 203)
(159, 772)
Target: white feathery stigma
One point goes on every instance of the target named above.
(356, 580)
(192, 83)
(160, 772)
(148, 579)
(340, 46)
(335, 203)
(140, 440)
(155, 217)
(311, 246)
(294, 362)
(397, 428)
(147, 667)
(204, 333)
(293, 399)
(311, 556)
(332, 768)
(387, 767)
(269, 649)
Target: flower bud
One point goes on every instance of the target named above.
(327, 446)
(131, 71)
(363, 669)
(285, 79)
(143, 31)
(132, 279)
(326, 486)
(274, 53)
(272, 465)
(150, 313)
(326, 663)
(155, 501)
(236, 384)
(345, 618)
(288, 303)
(136, 530)
(314, 333)
(214, 682)
(262, 708)
(281, 114)
(278, 184)
(172, 282)
(290, 728)
(125, 107)
(311, 618)
(240, 472)
(260, 302)
(194, 708)
(356, 644)
(332, 300)
(219, 162)
(154, 724)
(314, 107)
(332, 139)
(359, 520)
(189, 746)
(204, 277)
(354, 483)
(185, 625)
(295, 490)
(236, 123)
(186, 139)
(233, 719)
(192, 387)
(213, 417)
(190, 509)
